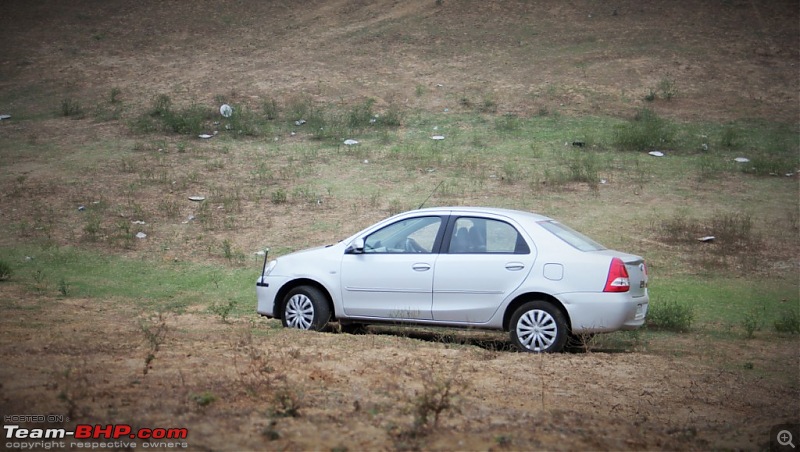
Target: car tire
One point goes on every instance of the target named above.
(538, 327)
(306, 308)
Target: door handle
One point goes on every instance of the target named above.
(421, 267)
(515, 266)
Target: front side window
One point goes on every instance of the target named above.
(482, 235)
(412, 235)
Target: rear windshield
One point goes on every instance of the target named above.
(572, 237)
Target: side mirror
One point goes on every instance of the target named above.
(356, 247)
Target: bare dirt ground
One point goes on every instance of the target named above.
(284, 389)
(279, 389)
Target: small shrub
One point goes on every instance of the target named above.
(671, 316)
(162, 104)
(360, 115)
(508, 123)
(63, 287)
(788, 323)
(753, 321)
(190, 120)
(298, 108)
(244, 122)
(5, 271)
(667, 88)
(203, 399)
(393, 117)
(269, 108)
(488, 105)
(646, 131)
(114, 95)
(72, 108)
(279, 196)
(223, 310)
(431, 402)
(92, 228)
(154, 329)
(730, 138)
(287, 400)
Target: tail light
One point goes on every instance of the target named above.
(618, 279)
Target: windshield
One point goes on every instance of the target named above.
(572, 237)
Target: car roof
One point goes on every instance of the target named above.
(516, 214)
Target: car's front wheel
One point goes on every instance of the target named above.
(538, 326)
(306, 308)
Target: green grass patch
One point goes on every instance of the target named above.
(721, 303)
(151, 285)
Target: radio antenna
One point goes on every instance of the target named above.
(429, 196)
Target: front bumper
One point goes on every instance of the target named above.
(266, 291)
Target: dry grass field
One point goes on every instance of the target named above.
(541, 105)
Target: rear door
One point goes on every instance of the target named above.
(483, 260)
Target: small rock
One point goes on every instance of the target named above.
(350, 142)
(140, 235)
(741, 160)
(656, 153)
(204, 136)
(197, 198)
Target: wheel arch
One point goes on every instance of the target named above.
(531, 296)
(281, 295)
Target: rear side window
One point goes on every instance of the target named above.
(473, 235)
(572, 237)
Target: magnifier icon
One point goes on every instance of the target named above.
(785, 438)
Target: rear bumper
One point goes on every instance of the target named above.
(605, 312)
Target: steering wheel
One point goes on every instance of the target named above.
(411, 246)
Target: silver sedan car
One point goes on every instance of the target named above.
(465, 267)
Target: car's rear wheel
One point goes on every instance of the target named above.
(538, 326)
(306, 308)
